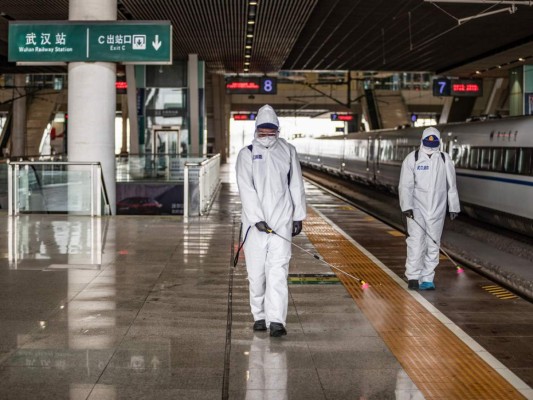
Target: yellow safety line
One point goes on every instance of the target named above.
(395, 233)
(439, 363)
(508, 297)
(499, 292)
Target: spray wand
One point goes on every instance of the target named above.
(363, 284)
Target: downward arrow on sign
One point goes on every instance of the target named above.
(156, 43)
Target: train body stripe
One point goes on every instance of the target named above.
(497, 179)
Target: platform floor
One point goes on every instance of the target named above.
(138, 308)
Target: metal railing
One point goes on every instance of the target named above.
(152, 167)
(57, 187)
(200, 183)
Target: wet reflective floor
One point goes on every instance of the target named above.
(139, 308)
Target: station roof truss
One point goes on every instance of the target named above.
(380, 35)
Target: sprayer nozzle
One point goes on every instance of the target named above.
(364, 285)
(460, 270)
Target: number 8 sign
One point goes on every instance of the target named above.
(268, 85)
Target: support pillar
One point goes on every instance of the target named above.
(195, 76)
(92, 100)
(219, 116)
(194, 126)
(125, 116)
(457, 109)
(132, 109)
(498, 91)
(18, 133)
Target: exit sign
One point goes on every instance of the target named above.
(134, 42)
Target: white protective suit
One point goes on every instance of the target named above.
(425, 187)
(271, 188)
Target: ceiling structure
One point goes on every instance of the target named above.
(379, 35)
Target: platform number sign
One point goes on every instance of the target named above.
(441, 87)
(457, 87)
(251, 85)
(268, 85)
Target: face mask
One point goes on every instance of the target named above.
(267, 141)
(429, 150)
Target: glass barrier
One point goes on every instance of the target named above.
(152, 167)
(56, 187)
(201, 181)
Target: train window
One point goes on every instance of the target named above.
(524, 161)
(463, 163)
(474, 158)
(485, 158)
(455, 155)
(399, 153)
(497, 159)
(509, 164)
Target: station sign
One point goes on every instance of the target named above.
(244, 117)
(342, 117)
(251, 85)
(457, 87)
(138, 42)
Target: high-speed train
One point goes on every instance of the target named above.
(493, 161)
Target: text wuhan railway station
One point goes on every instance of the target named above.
(266, 199)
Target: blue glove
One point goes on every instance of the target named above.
(263, 227)
(296, 227)
(408, 214)
(453, 215)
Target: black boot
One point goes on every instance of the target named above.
(277, 329)
(260, 325)
(412, 284)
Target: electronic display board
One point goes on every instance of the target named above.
(251, 85)
(457, 87)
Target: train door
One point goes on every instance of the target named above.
(377, 167)
(370, 160)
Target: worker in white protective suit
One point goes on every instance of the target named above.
(273, 199)
(427, 184)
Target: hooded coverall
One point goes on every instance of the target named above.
(425, 187)
(271, 188)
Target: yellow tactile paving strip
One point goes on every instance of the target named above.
(438, 362)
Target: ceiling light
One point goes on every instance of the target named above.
(245, 69)
(499, 66)
(252, 3)
(478, 72)
(251, 22)
(249, 35)
(247, 46)
(247, 56)
(521, 59)
(247, 63)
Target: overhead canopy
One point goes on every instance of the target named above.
(379, 35)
